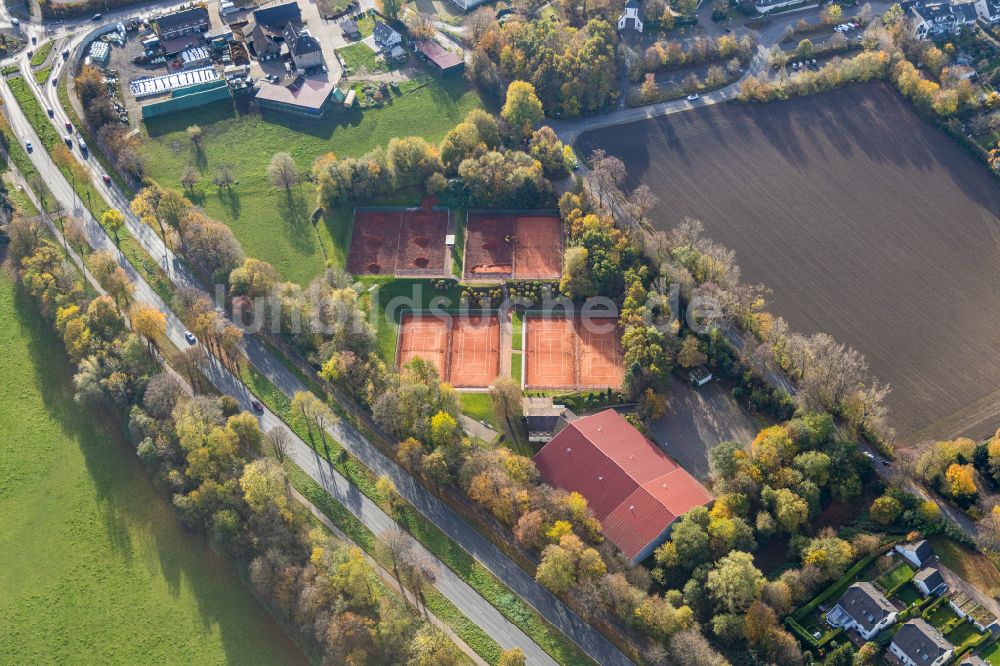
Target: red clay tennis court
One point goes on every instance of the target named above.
(538, 250)
(426, 337)
(398, 241)
(550, 353)
(465, 350)
(501, 246)
(475, 351)
(563, 353)
(600, 353)
(489, 251)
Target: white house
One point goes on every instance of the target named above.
(864, 609)
(630, 18)
(930, 581)
(988, 10)
(919, 644)
(915, 552)
(934, 19)
(386, 37)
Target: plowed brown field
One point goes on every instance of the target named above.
(866, 221)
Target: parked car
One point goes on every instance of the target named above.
(28, 146)
(257, 407)
(15, 22)
(34, 39)
(69, 140)
(69, 126)
(189, 336)
(83, 144)
(49, 111)
(96, 17)
(106, 178)
(693, 97)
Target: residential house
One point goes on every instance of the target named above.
(917, 643)
(349, 29)
(385, 37)
(265, 29)
(938, 19)
(303, 48)
(864, 609)
(182, 23)
(635, 489)
(988, 10)
(915, 552)
(930, 581)
(630, 19)
(181, 30)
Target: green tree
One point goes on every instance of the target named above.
(113, 220)
(734, 583)
(886, 510)
(522, 109)
(512, 657)
(690, 354)
(391, 8)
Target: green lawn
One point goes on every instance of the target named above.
(941, 615)
(479, 407)
(458, 249)
(908, 594)
(42, 75)
(991, 654)
(516, 366)
(271, 225)
(962, 632)
(359, 56)
(41, 54)
(896, 576)
(96, 566)
(517, 330)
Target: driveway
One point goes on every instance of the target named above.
(698, 419)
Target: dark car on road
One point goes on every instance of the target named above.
(257, 407)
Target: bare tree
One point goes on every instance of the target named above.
(190, 177)
(280, 440)
(395, 544)
(505, 394)
(282, 172)
(224, 177)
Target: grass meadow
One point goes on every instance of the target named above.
(271, 224)
(96, 566)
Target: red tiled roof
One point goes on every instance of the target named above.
(633, 487)
(437, 54)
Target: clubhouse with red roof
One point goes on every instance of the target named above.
(635, 489)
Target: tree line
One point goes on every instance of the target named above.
(209, 456)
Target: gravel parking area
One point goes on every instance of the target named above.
(698, 419)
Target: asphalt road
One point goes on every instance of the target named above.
(464, 597)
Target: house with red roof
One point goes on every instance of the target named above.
(635, 489)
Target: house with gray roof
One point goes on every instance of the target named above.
(917, 643)
(864, 609)
(930, 581)
(915, 552)
(385, 37)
